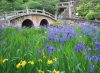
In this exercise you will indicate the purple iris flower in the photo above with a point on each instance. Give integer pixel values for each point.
(84, 24)
(98, 57)
(93, 58)
(91, 69)
(89, 49)
(89, 31)
(97, 44)
(96, 49)
(61, 34)
(96, 35)
(87, 57)
(79, 47)
(94, 28)
(62, 39)
(50, 48)
(41, 51)
(47, 46)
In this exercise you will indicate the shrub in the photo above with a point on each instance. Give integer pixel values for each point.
(90, 16)
(97, 15)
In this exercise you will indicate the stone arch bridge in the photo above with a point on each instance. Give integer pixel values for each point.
(29, 18)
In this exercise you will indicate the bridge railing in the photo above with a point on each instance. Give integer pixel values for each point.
(14, 14)
(65, 4)
(41, 12)
(28, 11)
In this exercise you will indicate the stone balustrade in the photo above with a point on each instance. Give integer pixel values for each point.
(65, 4)
(10, 15)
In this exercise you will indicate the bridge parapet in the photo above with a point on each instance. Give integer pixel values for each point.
(65, 4)
(14, 14)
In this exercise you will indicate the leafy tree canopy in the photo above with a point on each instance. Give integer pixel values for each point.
(87, 6)
(9, 5)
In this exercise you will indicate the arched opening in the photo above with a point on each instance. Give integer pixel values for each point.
(27, 23)
(44, 22)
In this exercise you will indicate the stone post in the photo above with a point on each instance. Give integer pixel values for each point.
(70, 11)
(56, 16)
(43, 11)
(36, 11)
(8, 21)
(27, 11)
(5, 16)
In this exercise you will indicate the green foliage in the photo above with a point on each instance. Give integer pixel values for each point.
(97, 15)
(83, 9)
(23, 45)
(98, 7)
(23, 4)
(88, 5)
(5, 6)
(18, 5)
(90, 16)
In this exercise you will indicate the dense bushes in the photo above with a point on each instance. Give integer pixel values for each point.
(97, 15)
(86, 6)
(49, 5)
(90, 16)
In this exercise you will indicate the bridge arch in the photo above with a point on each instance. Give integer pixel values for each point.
(44, 22)
(27, 23)
(30, 17)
